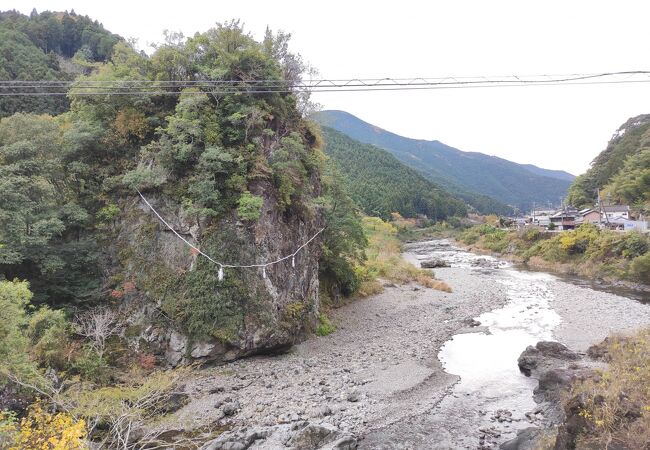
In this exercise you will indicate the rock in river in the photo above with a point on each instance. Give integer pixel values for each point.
(433, 264)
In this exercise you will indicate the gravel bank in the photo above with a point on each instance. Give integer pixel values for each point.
(380, 366)
(589, 316)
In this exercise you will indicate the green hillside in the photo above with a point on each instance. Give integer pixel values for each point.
(621, 171)
(51, 46)
(380, 184)
(471, 175)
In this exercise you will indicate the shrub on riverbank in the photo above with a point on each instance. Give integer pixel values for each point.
(613, 408)
(384, 261)
(585, 250)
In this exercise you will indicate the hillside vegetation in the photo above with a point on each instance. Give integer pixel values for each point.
(98, 296)
(95, 292)
(469, 175)
(381, 185)
(585, 251)
(48, 46)
(621, 171)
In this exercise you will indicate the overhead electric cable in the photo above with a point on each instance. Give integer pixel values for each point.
(223, 87)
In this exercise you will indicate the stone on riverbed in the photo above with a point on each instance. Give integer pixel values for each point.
(433, 263)
(527, 439)
(543, 356)
(296, 436)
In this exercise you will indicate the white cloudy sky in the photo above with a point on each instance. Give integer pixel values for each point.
(557, 127)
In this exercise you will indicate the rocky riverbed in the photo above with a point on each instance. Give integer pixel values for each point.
(378, 380)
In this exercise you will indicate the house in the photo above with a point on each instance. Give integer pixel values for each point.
(589, 215)
(541, 217)
(565, 219)
(616, 211)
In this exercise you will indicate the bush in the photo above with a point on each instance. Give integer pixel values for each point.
(144, 178)
(324, 327)
(42, 430)
(91, 366)
(48, 332)
(640, 268)
(615, 405)
(632, 245)
(532, 235)
(250, 206)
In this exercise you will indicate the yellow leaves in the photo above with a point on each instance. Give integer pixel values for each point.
(41, 430)
(130, 125)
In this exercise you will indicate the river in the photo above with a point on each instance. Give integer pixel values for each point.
(489, 402)
(411, 368)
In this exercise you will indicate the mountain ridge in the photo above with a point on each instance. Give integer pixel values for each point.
(381, 184)
(460, 172)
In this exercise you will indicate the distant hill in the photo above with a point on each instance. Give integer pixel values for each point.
(380, 184)
(559, 174)
(471, 175)
(621, 171)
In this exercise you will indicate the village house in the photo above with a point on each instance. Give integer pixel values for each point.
(565, 219)
(589, 215)
(616, 212)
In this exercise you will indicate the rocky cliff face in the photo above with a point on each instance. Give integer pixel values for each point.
(178, 308)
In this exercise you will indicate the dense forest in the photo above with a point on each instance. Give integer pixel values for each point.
(381, 185)
(621, 171)
(48, 46)
(487, 183)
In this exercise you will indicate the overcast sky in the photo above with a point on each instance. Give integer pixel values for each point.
(561, 127)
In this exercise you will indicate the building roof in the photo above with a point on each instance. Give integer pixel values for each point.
(565, 214)
(616, 208)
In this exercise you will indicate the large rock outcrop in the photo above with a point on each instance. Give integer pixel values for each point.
(180, 311)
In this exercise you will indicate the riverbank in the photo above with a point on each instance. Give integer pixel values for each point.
(608, 258)
(570, 272)
(379, 380)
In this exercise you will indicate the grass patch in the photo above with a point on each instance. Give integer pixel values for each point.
(384, 261)
(325, 326)
(616, 402)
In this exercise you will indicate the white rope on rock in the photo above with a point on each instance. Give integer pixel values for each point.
(220, 273)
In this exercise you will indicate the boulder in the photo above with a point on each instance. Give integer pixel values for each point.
(543, 356)
(433, 264)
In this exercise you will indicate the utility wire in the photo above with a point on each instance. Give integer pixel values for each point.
(222, 87)
(286, 91)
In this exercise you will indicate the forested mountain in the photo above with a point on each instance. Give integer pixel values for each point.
(380, 184)
(465, 173)
(559, 174)
(621, 171)
(50, 46)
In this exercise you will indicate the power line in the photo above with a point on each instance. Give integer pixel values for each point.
(223, 87)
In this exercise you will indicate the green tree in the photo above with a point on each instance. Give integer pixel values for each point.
(15, 296)
(343, 239)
